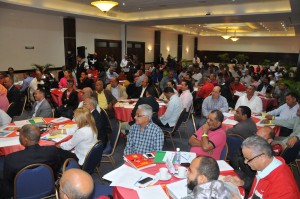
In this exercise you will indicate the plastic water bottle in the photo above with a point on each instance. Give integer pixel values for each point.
(177, 159)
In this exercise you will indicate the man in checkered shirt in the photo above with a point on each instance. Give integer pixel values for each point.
(144, 136)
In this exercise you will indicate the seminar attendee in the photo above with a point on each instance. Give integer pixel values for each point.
(85, 81)
(203, 175)
(32, 154)
(4, 101)
(210, 138)
(100, 119)
(13, 95)
(214, 102)
(237, 86)
(75, 184)
(186, 96)
(174, 108)
(170, 84)
(250, 100)
(274, 178)
(144, 136)
(165, 79)
(206, 89)
(84, 137)
(116, 89)
(87, 92)
(104, 97)
(26, 81)
(110, 73)
(246, 126)
(67, 76)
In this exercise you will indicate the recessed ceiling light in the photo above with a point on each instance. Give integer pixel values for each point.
(123, 3)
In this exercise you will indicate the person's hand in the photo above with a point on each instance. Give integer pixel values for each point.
(265, 121)
(55, 132)
(205, 127)
(292, 141)
(269, 117)
(234, 195)
(210, 152)
(234, 180)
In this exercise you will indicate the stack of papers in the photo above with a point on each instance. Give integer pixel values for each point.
(54, 138)
(9, 141)
(185, 157)
(128, 177)
(178, 190)
(152, 192)
(224, 166)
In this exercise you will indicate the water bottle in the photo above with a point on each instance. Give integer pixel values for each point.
(177, 158)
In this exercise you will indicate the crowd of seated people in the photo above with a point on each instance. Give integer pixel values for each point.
(209, 89)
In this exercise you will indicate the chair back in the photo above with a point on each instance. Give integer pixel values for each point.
(93, 158)
(234, 143)
(10, 109)
(110, 148)
(224, 152)
(70, 163)
(109, 127)
(34, 181)
(188, 115)
(24, 104)
(291, 154)
(180, 119)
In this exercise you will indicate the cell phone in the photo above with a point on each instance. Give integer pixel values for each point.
(145, 180)
(186, 164)
(149, 155)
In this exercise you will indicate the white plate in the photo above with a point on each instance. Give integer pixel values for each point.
(176, 175)
(158, 177)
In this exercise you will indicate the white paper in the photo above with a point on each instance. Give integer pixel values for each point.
(152, 192)
(4, 142)
(224, 166)
(129, 106)
(178, 189)
(187, 157)
(227, 115)
(21, 123)
(229, 121)
(58, 139)
(169, 155)
(237, 93)
(127, 177)
(60, 119)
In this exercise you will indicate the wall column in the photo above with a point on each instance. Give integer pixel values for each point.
(179, 47)
(157, 36)
(70, 42)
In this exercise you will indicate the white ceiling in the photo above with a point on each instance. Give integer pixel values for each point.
(250, 18)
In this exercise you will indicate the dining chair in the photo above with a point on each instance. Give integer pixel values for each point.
(169, 132)
(109, 127)
(224, 153)
(34, 181)
(234, 143)
(110, 148)
(93, 159)
(102, 190)
(186, 120)
(24, 104)
(70, 163)
(10, 109)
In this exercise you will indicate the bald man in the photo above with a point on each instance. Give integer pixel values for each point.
(243, 170)
(76, 183)
(87, 92)
(214, 102)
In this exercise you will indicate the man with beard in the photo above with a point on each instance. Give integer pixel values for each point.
(203, 180)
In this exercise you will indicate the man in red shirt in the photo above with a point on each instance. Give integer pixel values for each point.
(206, 89)
(237, 86)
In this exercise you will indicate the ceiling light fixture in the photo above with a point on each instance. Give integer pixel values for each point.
(226, 36)
(104, 6)
(234, 38)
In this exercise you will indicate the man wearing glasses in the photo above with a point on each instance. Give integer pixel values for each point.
(144, 136)
(274, 178)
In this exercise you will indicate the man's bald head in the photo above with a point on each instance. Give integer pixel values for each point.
(29, 135)
(267, 133)
(87, 92)
(76, 183)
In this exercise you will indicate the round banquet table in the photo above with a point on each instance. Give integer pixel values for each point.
(124, 193)
(14, 148)
(123, 109)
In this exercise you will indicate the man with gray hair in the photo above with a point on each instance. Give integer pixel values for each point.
(86, 93)
(76, 183)
(274, 178)
(144, 136)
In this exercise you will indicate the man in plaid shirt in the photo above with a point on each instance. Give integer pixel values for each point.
(144, 136)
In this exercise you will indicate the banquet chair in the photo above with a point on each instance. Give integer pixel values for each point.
(169, 132)
(70, 163)
(102, 190)
(291, 154)
(34, 181)
(109, 127)
(234, 143)
(110, 148)
(224, 153)
(93, 159)
(24, 104)
(186, 120)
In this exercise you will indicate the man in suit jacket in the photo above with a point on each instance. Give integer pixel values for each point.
(100, 119)
(32, 154)
(13, 95)
(104, 98)
(117, 90)
(160, 60)
(140, 91)
(265, 87)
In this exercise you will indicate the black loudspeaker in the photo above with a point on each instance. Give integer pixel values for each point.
(81, 51)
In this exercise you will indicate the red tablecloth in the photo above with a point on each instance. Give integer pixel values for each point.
(124, 113)
(14, 148)
(56, 95)
(122, 193)
(268, 102)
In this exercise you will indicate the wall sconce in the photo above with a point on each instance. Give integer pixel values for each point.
(168, 49)
(149, 48)
(187, 50)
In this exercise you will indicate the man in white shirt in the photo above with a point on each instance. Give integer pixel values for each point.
(4, 118)
(117, 90)
(186, 96)
(174, 108)
(34, 83)
(124, 64)
(110, 74)
(250, 100)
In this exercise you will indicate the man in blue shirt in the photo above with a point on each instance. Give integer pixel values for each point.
(26, 81)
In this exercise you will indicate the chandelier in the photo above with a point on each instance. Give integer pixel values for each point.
(226, 36)
(105, 6)
(234, 38)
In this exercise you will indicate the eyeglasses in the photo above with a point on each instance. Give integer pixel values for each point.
(247, 161)
(140, 116)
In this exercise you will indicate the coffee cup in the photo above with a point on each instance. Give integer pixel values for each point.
(163, 173)
(181, 172)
